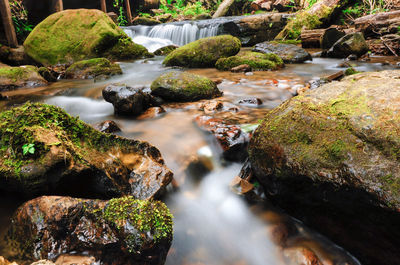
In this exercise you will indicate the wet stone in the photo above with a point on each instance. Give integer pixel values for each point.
(250, 102)
(107, 127)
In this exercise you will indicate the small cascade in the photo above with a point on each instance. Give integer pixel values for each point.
(171, 33)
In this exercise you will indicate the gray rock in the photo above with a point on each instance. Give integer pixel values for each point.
(353, 43)
(289, 53)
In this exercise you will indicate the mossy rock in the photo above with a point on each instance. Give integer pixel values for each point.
(17, 77)
(140, 231)
(183, 86)
(93, 68)
(204, 52)
(78, 34)
(165, 50)
(331, 157)
(256, 60)
(145, 21)
(45, 150)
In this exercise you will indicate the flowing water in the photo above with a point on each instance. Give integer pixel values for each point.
(213, 225)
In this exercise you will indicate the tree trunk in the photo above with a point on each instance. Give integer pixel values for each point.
(8, 24)
(309, 19)
(103, 6)
(57, 6)
(223, 8)
(320, 38)
(378, 24)
(128, 11)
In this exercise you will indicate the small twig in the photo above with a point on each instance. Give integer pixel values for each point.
(390, 48)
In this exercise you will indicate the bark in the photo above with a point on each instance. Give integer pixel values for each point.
(320, 38)
(8, 24)
(378, 24)
(103, 6)
(223, 8)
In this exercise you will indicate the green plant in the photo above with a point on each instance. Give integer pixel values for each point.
(28, 149)
(19, 17)
(121, 17)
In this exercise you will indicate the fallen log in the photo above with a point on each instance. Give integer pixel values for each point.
(376, 25)
(320, 38)
(223, 8)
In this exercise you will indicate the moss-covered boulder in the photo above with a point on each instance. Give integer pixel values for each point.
(166, 50)
(349, 44)
(289, 53)
(204, 52)
(93, 68)
(44, 150)
(331, 157)
(118, 231)
(17, 77)
(256, 60)
(78, 34)
(183, 86)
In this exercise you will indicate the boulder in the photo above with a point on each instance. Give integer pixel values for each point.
(256, 60)
(179, 86)
(47, 74)
(204, 52)
(126, 100)
(119, 231)
(78, 34)
(93, 68)
(44, 150)
(353, 43)
(107, 127)
(145, 21)
(330, 157)
(165, 50)
(289, 53)
(17, 77)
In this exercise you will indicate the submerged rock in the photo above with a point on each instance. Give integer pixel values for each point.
(128, 100)
(118, 231)
(353, 43)
(204, 52)
(44, 150)
(289, 53)
(182, 86)
(256, 60)
(330, 157)
(77, 34)
(93, 68)
(17, 77)
(232, 140)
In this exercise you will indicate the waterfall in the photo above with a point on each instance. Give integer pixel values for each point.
(154, 37)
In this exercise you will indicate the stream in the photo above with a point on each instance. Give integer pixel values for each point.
(212, 224)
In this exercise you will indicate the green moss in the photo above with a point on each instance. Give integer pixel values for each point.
(144, 216)
(257, 61)
(16, 73)
(93, 68)
(74, 35)
(125, 49)
(204, 52)
(351, 71)
(389, 182)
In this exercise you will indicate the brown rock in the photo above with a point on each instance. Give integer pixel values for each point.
(107, 126)
(241, 68)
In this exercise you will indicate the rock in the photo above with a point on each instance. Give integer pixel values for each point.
(78, 34)
(165, 50)
(107, 127)
(164, 17)
(15, 56)
(212, 106)
(331, 154)
(241, 68)
(151, 113)
(352, 57)
(203, 52)
(145, 21)
(97, 68)
(44, 150)
(250, 102)
(183, 86)
(119, 231)
(22, 76)
(256, 60)
(47, 74)
(202, 16)
(232, 140)
(128, 100)
(353, 43)
(301, 255)
(289, 53)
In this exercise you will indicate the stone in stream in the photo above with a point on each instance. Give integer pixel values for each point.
(23, 76)
(349, 44)
(256, 60)
(47, 74)
(166, 50)
(119, 231)
(204, 52)
(330, 157)
(43, 150)
(177, 86)
(289, 53)
(130, 101)
(77, 34)
(107, 127)
(97, 68)
(232, 140)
